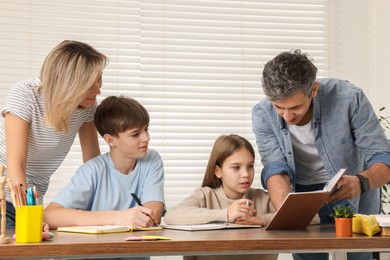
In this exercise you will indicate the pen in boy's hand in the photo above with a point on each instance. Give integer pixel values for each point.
(135, 197)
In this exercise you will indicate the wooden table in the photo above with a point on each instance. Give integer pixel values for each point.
(238, 241)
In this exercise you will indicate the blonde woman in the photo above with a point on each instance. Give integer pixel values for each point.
(41, 117)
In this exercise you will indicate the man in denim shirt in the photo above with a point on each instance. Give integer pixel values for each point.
(307, 129)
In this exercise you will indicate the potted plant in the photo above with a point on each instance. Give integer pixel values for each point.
(343, 215)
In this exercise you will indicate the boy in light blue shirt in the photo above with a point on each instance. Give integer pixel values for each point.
(100, 191)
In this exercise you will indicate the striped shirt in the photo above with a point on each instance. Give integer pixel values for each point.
(47, 147)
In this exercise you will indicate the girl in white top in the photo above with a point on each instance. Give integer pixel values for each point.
(41, 117)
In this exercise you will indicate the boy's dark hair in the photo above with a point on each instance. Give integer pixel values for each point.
(115, 115)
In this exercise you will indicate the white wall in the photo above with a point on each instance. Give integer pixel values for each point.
(362, 49)
(352, 42)
(363, 44)
(380, 53)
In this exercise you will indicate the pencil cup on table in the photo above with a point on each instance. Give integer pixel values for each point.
(29, 221)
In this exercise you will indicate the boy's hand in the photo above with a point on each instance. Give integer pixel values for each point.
(138, 216)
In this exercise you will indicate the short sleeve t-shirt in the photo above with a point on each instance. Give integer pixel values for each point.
(47, 147)
(98, 185)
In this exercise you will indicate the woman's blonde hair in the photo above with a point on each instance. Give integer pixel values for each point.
(223, 147)
(67, 73)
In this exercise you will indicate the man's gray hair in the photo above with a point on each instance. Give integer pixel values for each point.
(288, 73)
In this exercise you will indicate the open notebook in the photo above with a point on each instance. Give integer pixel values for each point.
(209, 226)
(103, 229)
(299, 208)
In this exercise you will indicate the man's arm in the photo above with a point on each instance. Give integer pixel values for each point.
(378, 175)
(349, 186)
(371, 141)
(278, 188)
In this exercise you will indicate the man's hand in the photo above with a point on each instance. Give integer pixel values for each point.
(348, 187)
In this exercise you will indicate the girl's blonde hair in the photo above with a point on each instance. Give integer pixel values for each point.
(223, 147)
(67, 73)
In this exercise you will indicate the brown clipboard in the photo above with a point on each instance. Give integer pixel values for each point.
(299, 208)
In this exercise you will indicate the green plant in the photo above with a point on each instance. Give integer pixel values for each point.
(385, 122)
(343, 211)
(386, 199)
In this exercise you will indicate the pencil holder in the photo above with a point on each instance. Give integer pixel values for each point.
(29, 221)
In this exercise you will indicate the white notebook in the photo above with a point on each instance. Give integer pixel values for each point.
(209, 226)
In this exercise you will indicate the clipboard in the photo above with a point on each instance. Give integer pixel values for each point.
(299, 208)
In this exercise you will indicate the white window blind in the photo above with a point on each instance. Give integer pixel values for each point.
(195, 65)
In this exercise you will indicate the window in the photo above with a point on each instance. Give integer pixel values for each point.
(195, 65)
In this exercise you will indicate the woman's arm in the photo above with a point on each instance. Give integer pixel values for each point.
(16, 135)
(89, 141)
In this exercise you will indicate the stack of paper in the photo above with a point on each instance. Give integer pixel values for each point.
(384, 223)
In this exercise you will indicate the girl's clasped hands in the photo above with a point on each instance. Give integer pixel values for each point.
(241, 210)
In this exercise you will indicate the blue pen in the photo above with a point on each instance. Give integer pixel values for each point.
(30, 197)
(36, 195)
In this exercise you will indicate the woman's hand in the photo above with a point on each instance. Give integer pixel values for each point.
(46, 234)
(45, 227)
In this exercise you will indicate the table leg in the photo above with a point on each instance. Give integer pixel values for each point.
(339, 255)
